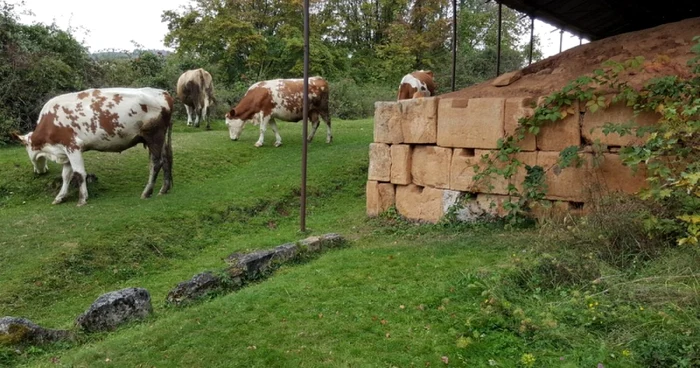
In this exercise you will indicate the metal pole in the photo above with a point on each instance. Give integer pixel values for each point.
(454, 43)
(498, 47)
(580, 41)
(561, 39)
(532, 37)
(304, 127)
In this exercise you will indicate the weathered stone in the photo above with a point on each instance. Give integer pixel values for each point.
(200, 285)
(464, 207)
(479, 124)
(419, 120)
(379, 162)
(526, 159)
(401, 164)
(286, 252)
(254, 264)
(116, 308)
(15, 330)
(507, 79)
(617, 113)
(419, 203)
(610, 175)
(462, 169)
(557, 135)
(322, 242)
(567, 184)
(387, 122)
(493, 204)
(380, 197)
(515, 109)
(430, 166)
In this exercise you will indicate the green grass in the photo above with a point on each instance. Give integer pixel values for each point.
(400, 295)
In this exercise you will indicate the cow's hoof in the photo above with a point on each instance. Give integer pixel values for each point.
(329, 141)
(258, 144)
(57, 201)
(81, 203)
(277, 144)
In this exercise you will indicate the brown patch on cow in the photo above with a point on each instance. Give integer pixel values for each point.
(406, 91)
(144, 108)
(48, 132)
(109, 121)
(117, 98)
(169, 100)
(292, 93)
(110, 105)
(96, 93)
(83, 95)
(79, 107)
(255, 100)
(70, 114)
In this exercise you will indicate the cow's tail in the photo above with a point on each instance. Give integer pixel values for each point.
(167, 153)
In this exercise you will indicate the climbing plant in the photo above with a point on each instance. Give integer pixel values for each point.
(670, 151)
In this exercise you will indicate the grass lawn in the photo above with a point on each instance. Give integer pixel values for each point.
(399, 295)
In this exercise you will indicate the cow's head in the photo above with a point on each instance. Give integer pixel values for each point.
(37, 157)
(235, 125)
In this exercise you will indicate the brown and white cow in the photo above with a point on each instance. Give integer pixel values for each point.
(417, 84)
(107, 120)
(195, 90)
(280, 99)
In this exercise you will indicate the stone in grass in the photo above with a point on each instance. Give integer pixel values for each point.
(116, 308)
(198, 286)
(15, 330)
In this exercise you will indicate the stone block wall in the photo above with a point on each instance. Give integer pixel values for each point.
(425, 150)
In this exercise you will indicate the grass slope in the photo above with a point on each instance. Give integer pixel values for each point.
(400, 295)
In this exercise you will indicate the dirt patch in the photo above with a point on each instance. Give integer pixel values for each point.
(665, 48)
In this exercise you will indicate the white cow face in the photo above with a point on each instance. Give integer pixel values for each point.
(37, 158)
(235, 125)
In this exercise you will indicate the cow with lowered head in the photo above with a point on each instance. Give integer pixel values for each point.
(280, 99)
(195, 90)
(417, 84)
(107, 120)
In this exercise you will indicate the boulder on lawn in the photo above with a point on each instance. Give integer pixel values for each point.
(116, 308)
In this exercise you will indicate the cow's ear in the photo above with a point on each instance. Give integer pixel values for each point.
(429, 72)
(231, 114)
(20, 138)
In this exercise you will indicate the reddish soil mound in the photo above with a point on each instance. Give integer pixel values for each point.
(665, 48)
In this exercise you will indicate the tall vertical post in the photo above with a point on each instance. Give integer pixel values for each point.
(561, 39)
(454, 44)
(304, 127)
(498, 46)
(532, 38)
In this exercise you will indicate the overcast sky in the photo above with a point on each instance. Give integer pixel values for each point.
(116, 24)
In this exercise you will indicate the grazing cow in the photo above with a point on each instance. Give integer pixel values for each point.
(196, 90)
(417, 84)
(107, 120)
(281, 99)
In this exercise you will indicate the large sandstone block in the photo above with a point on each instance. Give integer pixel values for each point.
(567, 184)
(462, 169)
(379, 162)
(380, 197)
(419, 120)
(610, 175)
(617, 113)
(557, 135)
(476, 123)
(420, 203)
(493, 205)
(430, 166)
(401, 155)
(515, 109)
(387, 122)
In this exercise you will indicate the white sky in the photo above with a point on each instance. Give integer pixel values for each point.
(114, 25)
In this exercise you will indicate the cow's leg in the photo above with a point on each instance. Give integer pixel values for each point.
(67, 176)
(204, 114)
(263, 127)
(155, 149)
(189, 115)
(327, 118)
(278, 137)
(315, 121)
(76, 162)
(197, 112)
